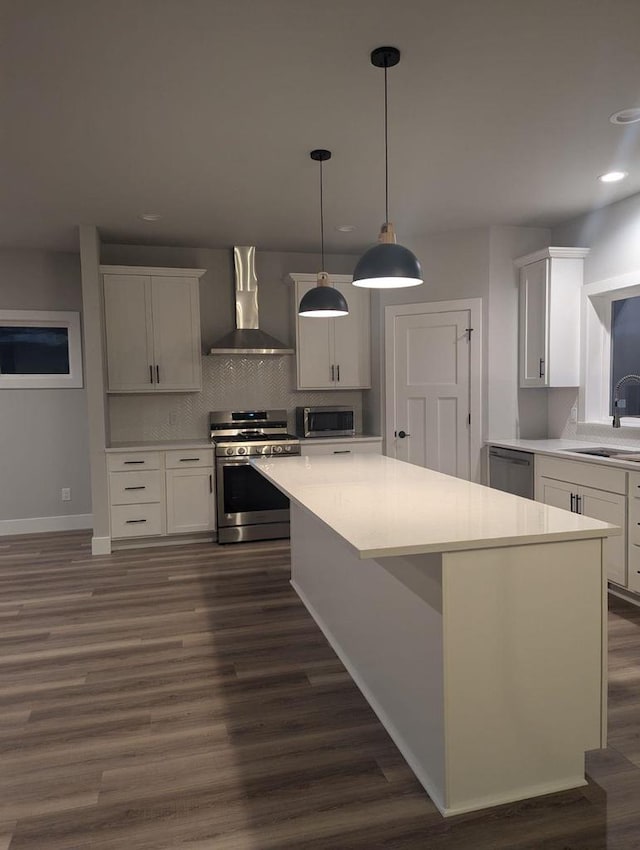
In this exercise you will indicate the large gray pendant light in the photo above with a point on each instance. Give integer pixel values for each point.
(387, 265)
(322, 302)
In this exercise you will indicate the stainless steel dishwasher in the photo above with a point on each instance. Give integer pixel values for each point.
(511, 470)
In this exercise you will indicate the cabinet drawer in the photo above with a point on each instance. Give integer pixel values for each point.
(609, 478)
(310, 449)
(188, 458)
(634, 567)
(136, 520)
(135, 488)
(129, 461)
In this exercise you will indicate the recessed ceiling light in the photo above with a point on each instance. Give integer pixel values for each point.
(150, 217)
(626, 116)
(346, 228)
(612, 176)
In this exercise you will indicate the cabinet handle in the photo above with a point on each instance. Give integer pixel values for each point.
(573, 509)
(131, 521)
(211, 483)
(150, 374)
(140, 487)
(578, 504)
(343, 452)
(157, 373)
(134, 461)
(541, 370)
(187, 459)
(332, 372)
(338, 370)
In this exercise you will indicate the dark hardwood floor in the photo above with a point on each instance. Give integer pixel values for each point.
(183, 698)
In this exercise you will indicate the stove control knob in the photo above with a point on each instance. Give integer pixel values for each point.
(277, 449)
(229, 451)
(242, 450)
(287, 448)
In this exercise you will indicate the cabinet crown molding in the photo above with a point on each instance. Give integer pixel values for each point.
(311, 279)
(153, 271)
(552, 252)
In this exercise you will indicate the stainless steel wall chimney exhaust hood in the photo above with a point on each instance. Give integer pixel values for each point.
(247, 337)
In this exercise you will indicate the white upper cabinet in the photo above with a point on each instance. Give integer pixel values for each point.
(334, 354)
(550, 283)
(152, 328)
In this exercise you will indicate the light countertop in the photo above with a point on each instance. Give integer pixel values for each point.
(160, 446)
(384, 507)
(358, 438)
(563, 448)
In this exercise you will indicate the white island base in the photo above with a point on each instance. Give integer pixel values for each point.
(485, 666)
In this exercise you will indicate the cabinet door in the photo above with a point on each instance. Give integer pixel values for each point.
(176, 333)
(608, 507)
(314, 344)
(127, 306)
(351, 336)
(556, 493)
(190, 500)
(533, 324)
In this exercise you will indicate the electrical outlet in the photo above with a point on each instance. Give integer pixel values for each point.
(173, 418)
(65, 494)
(573, 415)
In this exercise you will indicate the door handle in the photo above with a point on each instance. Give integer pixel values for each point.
(189, 459)
(157, 373)
(332, 372)
(211, 483)
(541, 369)
(402, 434)
(578, 504)
(141, 487)
(338, 370)
(150, 374)
(573, 510)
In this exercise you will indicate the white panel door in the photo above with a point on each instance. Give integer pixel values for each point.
(351, 345)
(558, 494)
(533, 324)
(176, 321)
(432, 390)
(608, 507)
(127, 305)
(314, 349)
(190, 500)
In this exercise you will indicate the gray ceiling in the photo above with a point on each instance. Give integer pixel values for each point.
(205, 111)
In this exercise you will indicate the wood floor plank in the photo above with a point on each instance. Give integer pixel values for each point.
(183, 698)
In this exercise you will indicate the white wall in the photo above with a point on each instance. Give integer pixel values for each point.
(43, 433)
(511, 412)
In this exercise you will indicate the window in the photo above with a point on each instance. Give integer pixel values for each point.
(625, 351)
(39, 349)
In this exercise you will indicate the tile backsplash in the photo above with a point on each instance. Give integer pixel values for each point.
(228, 383)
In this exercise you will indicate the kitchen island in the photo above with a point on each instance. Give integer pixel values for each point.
(473, 621)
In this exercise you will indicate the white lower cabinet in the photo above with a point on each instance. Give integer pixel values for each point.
(153, 494)
(347, 447)
(634, 533)
(190, 503)
(579, 488)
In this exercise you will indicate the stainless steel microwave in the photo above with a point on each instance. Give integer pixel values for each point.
(338, 421)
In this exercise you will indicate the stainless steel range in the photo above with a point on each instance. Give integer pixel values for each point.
(248, 506)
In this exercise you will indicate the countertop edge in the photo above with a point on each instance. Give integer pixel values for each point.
(526, 446)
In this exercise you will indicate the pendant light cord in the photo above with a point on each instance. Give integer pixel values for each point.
(386, 150)
(321, 220)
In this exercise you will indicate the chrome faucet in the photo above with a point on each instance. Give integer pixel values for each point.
(618, 403)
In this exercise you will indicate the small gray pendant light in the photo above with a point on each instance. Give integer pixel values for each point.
(387, 265)
(322, 302)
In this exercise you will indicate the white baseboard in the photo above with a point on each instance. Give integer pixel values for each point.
(100, 545)
(35, 525)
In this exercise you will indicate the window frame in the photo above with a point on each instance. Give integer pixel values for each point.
(596, 356)
(70, 320)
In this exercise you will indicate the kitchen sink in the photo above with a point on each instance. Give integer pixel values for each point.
(603, 451)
